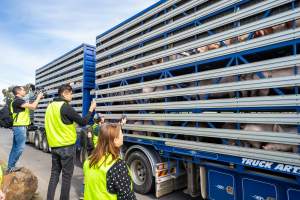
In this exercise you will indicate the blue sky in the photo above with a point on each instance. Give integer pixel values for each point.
(34, 32)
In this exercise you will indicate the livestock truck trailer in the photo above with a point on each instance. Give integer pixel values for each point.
(76, 67)
(211, 94)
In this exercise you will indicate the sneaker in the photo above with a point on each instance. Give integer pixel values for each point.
(14, 169)
(81, 197)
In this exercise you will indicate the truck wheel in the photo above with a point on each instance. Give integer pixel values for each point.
(27, 137)
(141, 172)
(36, 140)
(45, 146)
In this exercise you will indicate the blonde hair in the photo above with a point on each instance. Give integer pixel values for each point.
(105, 145)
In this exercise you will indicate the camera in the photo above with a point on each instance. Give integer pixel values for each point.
(37, 90)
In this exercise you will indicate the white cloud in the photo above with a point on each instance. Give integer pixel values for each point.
(34, 32)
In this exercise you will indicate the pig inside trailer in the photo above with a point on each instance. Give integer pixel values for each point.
(210, 90)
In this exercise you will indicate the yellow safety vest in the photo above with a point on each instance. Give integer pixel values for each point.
(95, 180)
(1, 176)
(21, 118)
(58, 133)
(95, 136)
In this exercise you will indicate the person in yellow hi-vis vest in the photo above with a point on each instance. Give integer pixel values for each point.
(2, 195)
(98, 121)
(106, 175)
(60, 125)
(21, 120)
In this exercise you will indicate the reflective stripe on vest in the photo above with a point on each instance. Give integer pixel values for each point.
(58, 133)
(20, 118)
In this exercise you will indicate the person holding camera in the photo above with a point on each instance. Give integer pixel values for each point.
(20, 110)
(98, 121)
(60, 125)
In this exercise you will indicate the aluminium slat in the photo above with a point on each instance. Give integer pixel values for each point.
(77, 72)
(45, 100)
(169, 15)
(251, 102)
(43, 110)
(39, 124)
(75, 86)
(65, 58)
(139, 19)
(261, 118)
(39, 119)
(266, 65)
(188, 33)
(62, 67)
(269, 4)
(39, 114)
(76, 102)
(257, 25)
(59, 72)
(189, 18)
(261, 136)
(255, 43)
(77, 95)
(45, 104)
(188, 46)
(40, 110)
(41, 106)
(65, 82)
(287, 81)
(274, 156)
(78, 109)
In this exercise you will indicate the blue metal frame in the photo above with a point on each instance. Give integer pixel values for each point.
(89, 77)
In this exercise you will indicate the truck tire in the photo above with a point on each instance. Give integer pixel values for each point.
(27, 137)
(141, 172)
(45, 146)
(36, 140)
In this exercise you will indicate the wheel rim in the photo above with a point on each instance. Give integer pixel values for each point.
(45, 145)
(36, 142)
(138, 172)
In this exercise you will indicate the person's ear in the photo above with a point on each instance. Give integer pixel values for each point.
(116, 142)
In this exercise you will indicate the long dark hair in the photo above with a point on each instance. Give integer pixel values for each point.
(105, 144)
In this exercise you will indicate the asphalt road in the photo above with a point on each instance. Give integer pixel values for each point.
(40, 163)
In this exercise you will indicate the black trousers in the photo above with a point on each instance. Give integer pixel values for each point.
(62, 161)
